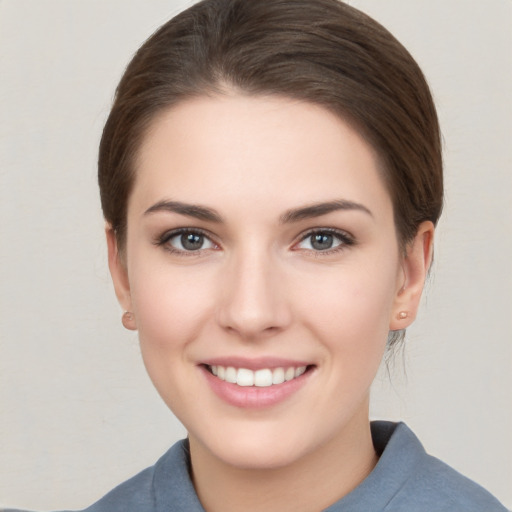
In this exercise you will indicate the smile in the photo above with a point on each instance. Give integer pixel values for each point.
(261, 378)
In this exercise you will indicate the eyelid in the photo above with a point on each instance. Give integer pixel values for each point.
(346, 239)
(163, 239)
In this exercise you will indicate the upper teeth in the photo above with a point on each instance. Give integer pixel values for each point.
(259, 378)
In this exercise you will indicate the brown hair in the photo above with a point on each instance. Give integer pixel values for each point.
(320, 51)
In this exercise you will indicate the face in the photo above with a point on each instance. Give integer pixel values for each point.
(263, 272)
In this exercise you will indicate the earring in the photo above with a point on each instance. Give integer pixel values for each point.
(402, 315)
(128, 321)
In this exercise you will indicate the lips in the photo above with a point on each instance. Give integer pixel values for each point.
(256, 383)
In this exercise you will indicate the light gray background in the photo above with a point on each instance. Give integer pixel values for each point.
(78, 413)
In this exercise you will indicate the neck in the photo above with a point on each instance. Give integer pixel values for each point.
(313, 482)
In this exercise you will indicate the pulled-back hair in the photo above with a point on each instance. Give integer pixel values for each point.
(319, 51)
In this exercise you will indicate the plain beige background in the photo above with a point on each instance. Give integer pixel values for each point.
(78, 413)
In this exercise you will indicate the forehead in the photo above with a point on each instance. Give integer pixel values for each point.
(258, 150)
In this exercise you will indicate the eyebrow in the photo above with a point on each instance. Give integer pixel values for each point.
(319, 209)
(290, 216)
(190, 210)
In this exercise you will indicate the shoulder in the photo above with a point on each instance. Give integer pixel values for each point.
(157, 488)
(407, 479)
(135, 492)
(153, 490)
(437, 482)
(430, 484)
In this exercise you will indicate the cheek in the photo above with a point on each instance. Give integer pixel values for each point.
(350, 313)
(170, 305)
(352, 300)
(170, 310)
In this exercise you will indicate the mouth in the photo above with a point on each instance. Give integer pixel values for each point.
(256, 383)
(260, 378)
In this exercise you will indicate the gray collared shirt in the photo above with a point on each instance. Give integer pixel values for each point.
(406, 479)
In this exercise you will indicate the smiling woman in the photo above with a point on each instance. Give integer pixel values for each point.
(239, 280)
(271, 178)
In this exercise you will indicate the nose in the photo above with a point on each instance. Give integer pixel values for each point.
(254, 301)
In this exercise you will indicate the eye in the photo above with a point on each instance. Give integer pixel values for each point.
(324, 240)
(186, 241)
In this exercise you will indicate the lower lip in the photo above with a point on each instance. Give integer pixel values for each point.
(253, 397)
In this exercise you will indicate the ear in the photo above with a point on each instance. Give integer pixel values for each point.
(119, 274)
(415, 265)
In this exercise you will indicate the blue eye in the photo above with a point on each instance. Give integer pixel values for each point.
(324, 240)
(187, 241)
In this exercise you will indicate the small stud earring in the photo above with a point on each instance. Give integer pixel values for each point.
(128, 321)
(402, 315)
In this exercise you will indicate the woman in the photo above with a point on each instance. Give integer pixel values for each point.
(271, 177)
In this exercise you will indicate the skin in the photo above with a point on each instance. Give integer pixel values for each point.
(258, 288)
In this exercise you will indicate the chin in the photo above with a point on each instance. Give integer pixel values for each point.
(248, 455)
(255, 446)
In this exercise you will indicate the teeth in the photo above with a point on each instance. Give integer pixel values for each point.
(289, 374)
(231, 375)
(278, 376)
(259, 378)
(263, 378)
(245, 377)
(299, 371)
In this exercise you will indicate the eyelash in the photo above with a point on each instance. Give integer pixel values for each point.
(345, 240)
(163, 240)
